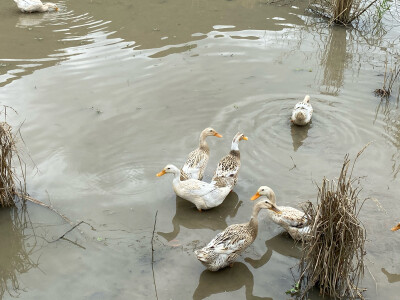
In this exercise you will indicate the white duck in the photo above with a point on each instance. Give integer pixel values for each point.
(202, 194)
(197, 160)
(291, 219)
(30, 6)
(224, 249)
(228, 167)
(302, 112)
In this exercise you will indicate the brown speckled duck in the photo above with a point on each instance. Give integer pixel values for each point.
(291, 219)
(224, 249)
(228, 167)
(197, 160)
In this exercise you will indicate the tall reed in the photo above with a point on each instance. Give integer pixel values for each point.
(333, 259)
(12, 168)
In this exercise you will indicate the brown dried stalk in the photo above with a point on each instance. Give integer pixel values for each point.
(12, 168)
(333, 259)
(389, 79)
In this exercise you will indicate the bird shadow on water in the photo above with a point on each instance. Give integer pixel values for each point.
(282, 244)
(392, 278)
(15, 257)
(226, 280)
(215, 219)
(299, 134)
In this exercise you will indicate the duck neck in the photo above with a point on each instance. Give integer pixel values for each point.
(177, 176)
(203, 143)
(235, 148)
(253, 224)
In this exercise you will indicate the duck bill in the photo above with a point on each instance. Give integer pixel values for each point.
(397, 227)
(245, 138)
(255, 196)
(275, 209)
(218, 135)
(161, 173)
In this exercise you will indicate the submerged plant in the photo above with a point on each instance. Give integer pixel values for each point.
(390, 77)
(333, 259)
(15, 256)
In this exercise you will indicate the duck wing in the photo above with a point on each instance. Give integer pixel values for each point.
(197, 187)
(233, 239)
(195, 164)
(228, 167)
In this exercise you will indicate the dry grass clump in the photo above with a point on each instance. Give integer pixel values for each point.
(10, 164)
(341, 11)
(333, 258)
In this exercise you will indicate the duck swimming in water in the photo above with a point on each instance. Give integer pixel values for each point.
(202, 194)
(302, 112)
(30, 6)
(197, 160)
(224, 249)
(291, 219)
(228, 167)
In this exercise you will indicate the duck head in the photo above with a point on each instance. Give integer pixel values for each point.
(169, 169)
(210, 132)
(265, 191)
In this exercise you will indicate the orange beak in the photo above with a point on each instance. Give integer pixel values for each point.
(255, 196)
(217, 135)
(274, 209)
(56, 9)
(161, 173)
(397, 227)
(245, 138)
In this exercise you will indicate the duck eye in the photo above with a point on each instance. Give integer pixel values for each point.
(168, 168)
(210, 130)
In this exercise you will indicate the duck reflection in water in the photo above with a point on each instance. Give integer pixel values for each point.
(282, 244)
(299, 134)
(391, 277)
(14, 258)
(226, 280)
(215, 219)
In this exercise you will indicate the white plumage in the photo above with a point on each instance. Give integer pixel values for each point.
(302, 112)
(197, 160)
(202, 194)
(291, 219)
(30, 6)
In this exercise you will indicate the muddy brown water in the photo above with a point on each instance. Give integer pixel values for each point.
(109, 94)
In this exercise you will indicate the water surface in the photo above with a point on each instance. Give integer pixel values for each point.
(109, 94)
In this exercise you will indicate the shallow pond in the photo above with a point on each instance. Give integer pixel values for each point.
(109, 94)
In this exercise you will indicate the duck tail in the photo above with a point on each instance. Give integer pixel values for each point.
(306, 99)
(200, 255)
